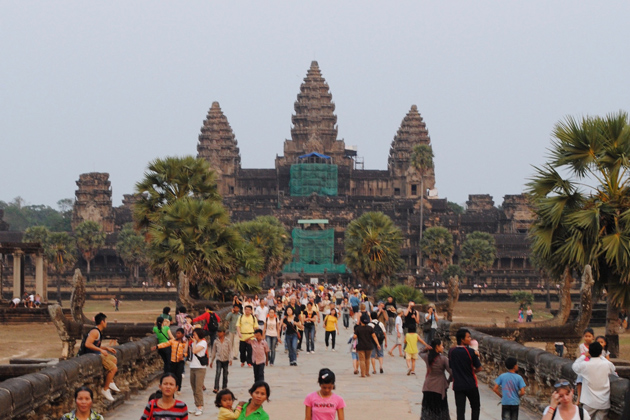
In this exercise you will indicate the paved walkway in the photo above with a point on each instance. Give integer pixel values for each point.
(392, 395)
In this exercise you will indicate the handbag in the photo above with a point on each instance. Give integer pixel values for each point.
(426, 327)
(204, 360)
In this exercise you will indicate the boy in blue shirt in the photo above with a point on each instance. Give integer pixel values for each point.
(512, 389)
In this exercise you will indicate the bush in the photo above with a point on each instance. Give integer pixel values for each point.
(523, 298)
(402, 294)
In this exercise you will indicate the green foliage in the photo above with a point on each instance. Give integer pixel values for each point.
(523, 298)
(269, 237)
(437, 247)
(456, 208)
(478, 252)
(402, 293)
(452, 271)
(61, 252)
(132, 249)
(36, 234)
(90, 239)
(422, 159)
(581, 199)
(20, 216)
(372, 247)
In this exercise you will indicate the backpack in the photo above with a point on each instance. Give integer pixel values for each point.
(380, 335)
(580, 411)
(212, 325)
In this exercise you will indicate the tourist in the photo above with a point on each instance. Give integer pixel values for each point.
(464, 364)
(366, 339)
(431, 320)
(353, 352)
(83, 398)
(562, 402)
(595, 396)
(38, 300)
(116, 304)
(237, 301)
(411, 350)
(354, 302)
(166, 407)
(179, 354)
(188, 327)
(339, 296)
(271, 332)
(211, 323)
(92, 343)
(381, 314)
(221, 351)
(253, 409)
(256, 302)
(587, 337)
(434, 402)
(163, 334)
(345, 313)
(324, 404)
(512, 388)
(260, 348)
(180, 317)
(325, 306)
(412, 318)
(559, 347)
(530, 314)
(261, 312)
(245, 328)
(225, 401)
(166, 313)
(331, 327)
(198, 365)
(520, 314)
(232, 333)
(290, 325)
(604, 343)
(398, 330)
(377, 353)
(392, 312)
(310, 318)
(15, 302)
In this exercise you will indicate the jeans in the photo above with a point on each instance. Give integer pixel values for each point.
(221, 366)
(332, 334)
(560, 349)
(272, 342)
(475, 403)
(259, 372)
(291, 340)
(429, 336)
(246, 352)
(309, 331)
(299, 342)
(210, 337)
(346, 320)
(509, 412)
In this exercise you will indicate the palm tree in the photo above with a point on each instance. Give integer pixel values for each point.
(372, 247)
(437, 248)
(478, 252)
(581, 199)
(132, 249)
(60, 251)
(422, 162)
(90, 239)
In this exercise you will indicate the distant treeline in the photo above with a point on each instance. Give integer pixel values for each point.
(20, 216)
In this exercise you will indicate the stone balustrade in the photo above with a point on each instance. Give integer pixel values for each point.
(539, 369)
(49, 393)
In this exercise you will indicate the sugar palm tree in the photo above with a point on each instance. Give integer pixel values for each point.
(437, 248)
(581, 199)
(422, 162)
(372, 247)
(132, 249)
(61, 253)
(90, 239)
(478, 252)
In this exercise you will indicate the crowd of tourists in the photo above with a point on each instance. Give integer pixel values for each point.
(256, 330)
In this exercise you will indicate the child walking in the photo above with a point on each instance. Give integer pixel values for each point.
(221, 350)
(588, 337)
(224, 401)
(512, 388)
(260, 348)
(324, 404)
(179, 354)
(411, 351)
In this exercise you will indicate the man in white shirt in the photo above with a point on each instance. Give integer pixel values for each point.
(595, 397)
(261, 312)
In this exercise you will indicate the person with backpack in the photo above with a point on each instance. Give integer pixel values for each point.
(92, 343)
(198, 365)
(211, 324)
(377, 352)
(561, 405)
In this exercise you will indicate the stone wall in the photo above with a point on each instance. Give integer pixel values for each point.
(49, 393)
(539, 369)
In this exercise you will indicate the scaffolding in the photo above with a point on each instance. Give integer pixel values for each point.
(313, 252)
(308, 178)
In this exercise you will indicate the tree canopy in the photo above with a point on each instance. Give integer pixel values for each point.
(90, 239)
(20, 216)
(478, 252)
(437, 248)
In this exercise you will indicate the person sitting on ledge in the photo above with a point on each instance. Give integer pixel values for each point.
(83, 399)
(92, 343)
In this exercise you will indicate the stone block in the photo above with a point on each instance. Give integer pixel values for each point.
(58, 381)
(6, 404)
(532, 358)
(21, 395)
(40, 385)
(90, 364)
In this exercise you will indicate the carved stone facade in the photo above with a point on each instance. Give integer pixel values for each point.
(94, 201)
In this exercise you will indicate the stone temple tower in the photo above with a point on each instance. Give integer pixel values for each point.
(94, 201)
(218, 145)
(405, 180)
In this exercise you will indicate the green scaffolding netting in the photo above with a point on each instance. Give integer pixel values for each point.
(313, 251)
(308, 178)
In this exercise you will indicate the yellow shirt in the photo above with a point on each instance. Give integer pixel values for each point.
(331, 323)
(412, 343)
(227, 414)
(247, 323)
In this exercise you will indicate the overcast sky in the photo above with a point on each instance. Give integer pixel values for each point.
(108, 86)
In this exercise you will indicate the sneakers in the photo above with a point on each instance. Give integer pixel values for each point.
(113, 387)
(107, 394)
(198, 412)
(334, 350)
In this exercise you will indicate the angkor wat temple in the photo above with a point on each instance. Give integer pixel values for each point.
(319, 185)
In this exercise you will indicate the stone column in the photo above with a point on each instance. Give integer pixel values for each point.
(17, 274)
(40, 281)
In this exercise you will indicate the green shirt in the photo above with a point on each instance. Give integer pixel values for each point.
(93, 416)
(162, 336)
(256, 415)
(232, 320)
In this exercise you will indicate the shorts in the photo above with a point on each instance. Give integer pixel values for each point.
(355, 355)
(409, 356)
(376, 352)
(400, 340)
(109, 362)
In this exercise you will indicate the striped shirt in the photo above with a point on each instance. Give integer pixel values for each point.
(154, 412)
(178, 350)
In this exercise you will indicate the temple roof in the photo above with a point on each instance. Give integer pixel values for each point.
(412, 131)
(217, 142)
